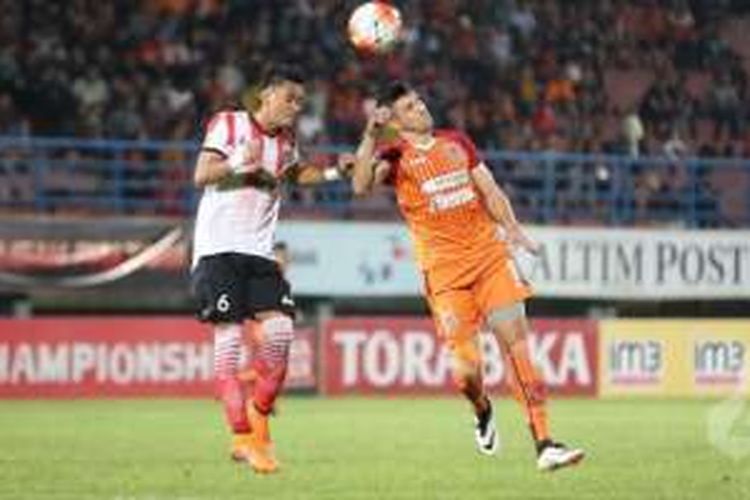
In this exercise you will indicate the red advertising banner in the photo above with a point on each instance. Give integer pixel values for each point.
(392, 356)
(302, 372)
(120, 357)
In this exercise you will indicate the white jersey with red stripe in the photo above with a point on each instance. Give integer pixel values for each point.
(242, 219)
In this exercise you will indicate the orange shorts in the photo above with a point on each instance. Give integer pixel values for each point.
(461, 297)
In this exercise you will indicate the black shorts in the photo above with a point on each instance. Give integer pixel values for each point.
(231, 287)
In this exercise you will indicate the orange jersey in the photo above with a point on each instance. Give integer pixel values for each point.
(447, 219)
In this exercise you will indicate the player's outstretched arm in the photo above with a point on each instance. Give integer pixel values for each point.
(306, 174)
(500, 208)
(495, 199)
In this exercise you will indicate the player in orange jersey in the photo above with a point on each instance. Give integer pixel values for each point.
(452, 208)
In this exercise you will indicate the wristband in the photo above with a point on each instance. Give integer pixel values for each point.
(331, 174)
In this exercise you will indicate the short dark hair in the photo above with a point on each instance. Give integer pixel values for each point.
(393, 92)
(283, 73)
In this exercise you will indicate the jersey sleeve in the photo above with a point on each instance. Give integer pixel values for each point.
(468, 146)
(290, 154)
(390, 152)
(220, 133)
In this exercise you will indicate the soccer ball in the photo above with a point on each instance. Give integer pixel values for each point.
(375, 27)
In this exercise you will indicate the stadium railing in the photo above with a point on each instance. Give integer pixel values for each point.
(61, 175)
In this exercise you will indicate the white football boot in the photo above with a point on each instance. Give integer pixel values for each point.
(553, 456)
(485, 432)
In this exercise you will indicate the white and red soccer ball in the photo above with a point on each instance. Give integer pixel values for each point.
(375, 27)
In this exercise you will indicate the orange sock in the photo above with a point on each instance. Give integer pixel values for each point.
(473, 390)
(528, 388)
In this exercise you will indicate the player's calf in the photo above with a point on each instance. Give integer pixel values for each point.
(232, 394)
(270, 364)
(227, 339)
(467, 377)
(269, 368)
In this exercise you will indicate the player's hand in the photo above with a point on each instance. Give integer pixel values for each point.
(247, 157)
(254, 154)
(345, 164)
(377, 119)
(517, 238)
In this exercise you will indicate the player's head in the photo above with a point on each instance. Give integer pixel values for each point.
(282, 96)
(408, 109)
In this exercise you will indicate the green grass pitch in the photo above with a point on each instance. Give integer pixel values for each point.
(359, 449)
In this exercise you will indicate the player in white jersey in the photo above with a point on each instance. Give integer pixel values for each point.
(244, 158)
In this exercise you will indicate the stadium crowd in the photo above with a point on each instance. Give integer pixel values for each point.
(516, 74)
(639, 77)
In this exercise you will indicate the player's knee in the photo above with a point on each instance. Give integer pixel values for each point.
(465, 353)
(277, 328)
(464, 371)
(462, 381)
(508, 323)
(227, 349)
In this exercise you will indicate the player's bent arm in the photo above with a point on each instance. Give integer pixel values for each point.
(382, 172)
(368, 172)
(495, 199)
(364, 162)
(309, 174)
(379, 173)
(210, 168)
(500, 209)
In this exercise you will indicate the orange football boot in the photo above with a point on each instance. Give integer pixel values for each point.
(261, 456)
(240, 448)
